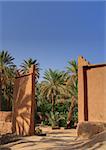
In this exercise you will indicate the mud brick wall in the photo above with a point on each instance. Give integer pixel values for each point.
(5, 122)
(6, 116)
(24, 104)
(91, 91)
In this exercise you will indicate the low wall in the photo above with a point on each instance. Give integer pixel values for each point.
(6, 116)
(5, 122)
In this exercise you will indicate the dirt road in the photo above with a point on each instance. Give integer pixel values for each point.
(56, 140)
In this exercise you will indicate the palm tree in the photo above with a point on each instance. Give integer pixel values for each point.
(53, 85)
(72, 86)
(74, 97)
(7, 71)
(27, 64)
(72, 68)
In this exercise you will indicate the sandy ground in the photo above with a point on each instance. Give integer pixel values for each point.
(58, 140)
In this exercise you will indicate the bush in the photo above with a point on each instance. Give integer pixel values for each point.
(4, 104)
(54, 118)
(63, 122)
(44, 108)
(62, 107)
(75, 114)
(38, 130)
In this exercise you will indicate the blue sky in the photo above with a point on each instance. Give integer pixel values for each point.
(53, 32)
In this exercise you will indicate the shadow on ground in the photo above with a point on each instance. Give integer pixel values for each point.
(51, 142)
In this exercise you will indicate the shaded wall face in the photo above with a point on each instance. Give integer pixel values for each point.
(23, 113)
(96, 93)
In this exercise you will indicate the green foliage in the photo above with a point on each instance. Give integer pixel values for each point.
(75, 114)
(60, 110)
(62, 107)
(7, 67)
(44, 107)
(73, 67)
(7, 74)
(53, 85)
(56, 86)
(63, 122)
(38, 130)
(27, 64)
(72, 85)
(54, 118)
(3, 104)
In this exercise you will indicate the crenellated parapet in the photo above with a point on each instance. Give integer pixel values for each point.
(82, 61)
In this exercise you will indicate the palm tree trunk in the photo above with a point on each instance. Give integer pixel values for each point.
(70, 114)
(8, 104)
(53, 103)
